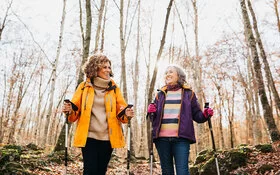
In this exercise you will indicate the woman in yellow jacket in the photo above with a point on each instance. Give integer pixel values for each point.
(99, 130)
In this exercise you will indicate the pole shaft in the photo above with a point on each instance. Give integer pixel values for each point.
(212, 134)
(213, 141)
(128, 146)
(151, 147)
(66, 141)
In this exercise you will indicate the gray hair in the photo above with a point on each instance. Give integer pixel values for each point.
(181, 74)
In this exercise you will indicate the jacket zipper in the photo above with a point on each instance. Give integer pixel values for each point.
(85, 106)
(179, 117)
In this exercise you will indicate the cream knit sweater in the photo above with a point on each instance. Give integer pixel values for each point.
(98, 128)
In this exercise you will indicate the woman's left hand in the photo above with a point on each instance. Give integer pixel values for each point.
(129, 112)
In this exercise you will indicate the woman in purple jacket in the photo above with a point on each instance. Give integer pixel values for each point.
(174, 109)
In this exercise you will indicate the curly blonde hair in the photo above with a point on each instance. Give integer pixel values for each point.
(94, 63)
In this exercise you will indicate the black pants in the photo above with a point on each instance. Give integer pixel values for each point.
(96, 156)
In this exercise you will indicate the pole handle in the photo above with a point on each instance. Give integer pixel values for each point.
(206, 105)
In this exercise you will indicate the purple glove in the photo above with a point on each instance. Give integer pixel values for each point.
(152, 108)
(208, 112)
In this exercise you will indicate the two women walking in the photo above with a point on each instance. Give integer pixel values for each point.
(99, 130)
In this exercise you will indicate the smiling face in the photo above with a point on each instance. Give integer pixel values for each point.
(171, 76)
(104, 71)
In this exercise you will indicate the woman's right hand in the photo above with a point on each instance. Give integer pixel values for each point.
(67, 108)
(152, 108)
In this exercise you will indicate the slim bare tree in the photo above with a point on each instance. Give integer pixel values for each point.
(275, 5)
(54, 76)
(97, 35)
(3, 107)
(135, 77)
(125, 32)
(4, 21)
(162, 42)
(154, 75)
(122, 46)
(103, 29)
(197, 77)
(86, 38)
(267, 110)
(267, 70)
(23, 83)
(184, 32)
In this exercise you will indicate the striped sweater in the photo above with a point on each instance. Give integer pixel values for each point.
(170, 120)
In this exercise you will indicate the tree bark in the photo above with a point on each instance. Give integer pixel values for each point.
(86, 40)
(86, 44)
(103, 29)
(267, 111)
(3, 108)
(54, 76)
(275, 4)
(136, 79)
(197, 74)
(97, 35)
(268, 73)
(122, 45)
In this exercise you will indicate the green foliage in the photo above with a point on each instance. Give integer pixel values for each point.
(33, 147)
(14, 147)
(236, 159)
(203, 156)
(264, 168)
(264, 148)
(205, 163)
(193, 170)
(244, 148)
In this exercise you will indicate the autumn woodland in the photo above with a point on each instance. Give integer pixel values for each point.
(229, 50)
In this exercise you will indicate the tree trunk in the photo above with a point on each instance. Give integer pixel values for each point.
(85, 39)
(231, 116)
(268, 74)
(267, 111)
(197, 74)
(97, 35)
(3, 109)
(148, 66)
(136, 81)
(184, 32)
(103, 29)
(221, 139)
(54, 76)
(275, 4)
(122, 45)
(153, 81)
(86, 45)
(3, 23)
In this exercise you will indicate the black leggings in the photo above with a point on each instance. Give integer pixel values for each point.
(96, 156)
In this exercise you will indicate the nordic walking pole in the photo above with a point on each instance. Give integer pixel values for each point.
(128, 145)
(75, 108)
(213, 142)
(66, 138)
(128, 140)
(152, 146)
(66, 141)
(151, 143)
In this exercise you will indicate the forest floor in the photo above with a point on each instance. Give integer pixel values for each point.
(257, 163)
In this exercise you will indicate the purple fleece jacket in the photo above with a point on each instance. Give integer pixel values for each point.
(190, 110)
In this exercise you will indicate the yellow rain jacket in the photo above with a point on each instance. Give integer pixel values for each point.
(83, 99)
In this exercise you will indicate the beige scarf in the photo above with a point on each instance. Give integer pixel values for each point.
(98, 128)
